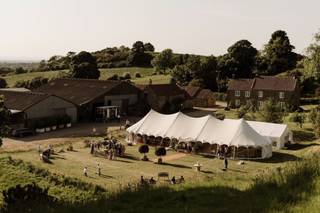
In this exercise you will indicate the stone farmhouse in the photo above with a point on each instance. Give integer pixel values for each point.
(284, 90)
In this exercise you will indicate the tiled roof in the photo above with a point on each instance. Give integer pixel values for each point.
(240, 84)
(21, 100)
(79, 91)
(275, 83)
(166, 89)
(204, 94)
(264, 83)
(192, 91)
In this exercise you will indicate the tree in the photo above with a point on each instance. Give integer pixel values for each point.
(138, 57)
(84, 65)
(240, 60)
(143, 149)
(4, 119)
(197, 71)
(298, 118)
(271, 111)
(278, 55)
(148, 47)
(243, 55)
(3, 83)
(312, 62)
(163, 60)
(314, 117)
(160, 151)
(20, 70)
(138, 47)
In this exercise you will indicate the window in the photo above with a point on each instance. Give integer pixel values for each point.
(260, 94)
(282, 104)
(237, 93)
(281, 95)
(237, 102)
(247, 94)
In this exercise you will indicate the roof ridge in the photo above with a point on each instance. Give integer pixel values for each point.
(25, 92)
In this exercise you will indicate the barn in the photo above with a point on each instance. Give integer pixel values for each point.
(25, 106)
(90, 94)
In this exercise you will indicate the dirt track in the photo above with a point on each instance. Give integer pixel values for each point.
(63, 136)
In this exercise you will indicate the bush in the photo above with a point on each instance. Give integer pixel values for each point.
(160, 151)
(126, 75)
(137, 75)
(3, 83)
(114, 77)
(220, 96)
(143, 149)
(19, 197)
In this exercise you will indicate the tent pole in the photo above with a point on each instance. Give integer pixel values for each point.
(234, 152)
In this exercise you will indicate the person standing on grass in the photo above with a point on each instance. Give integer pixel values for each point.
(85, 171)
(225, 163)
(99, 169)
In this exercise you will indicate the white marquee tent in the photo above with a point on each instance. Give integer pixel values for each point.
(207, 129)
(279, 134)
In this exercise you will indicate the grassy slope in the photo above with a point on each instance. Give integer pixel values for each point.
(205, 192)
(146, 74)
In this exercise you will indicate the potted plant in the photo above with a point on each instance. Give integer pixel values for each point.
(53, 122)
(39, 126)
(60, 122)
(47, 124)
(160, 151)
(68, 121)
(143, 149)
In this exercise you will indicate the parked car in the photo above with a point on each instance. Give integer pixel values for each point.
(22, 132)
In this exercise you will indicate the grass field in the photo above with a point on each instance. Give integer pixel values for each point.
(146, 74)
(284, 183)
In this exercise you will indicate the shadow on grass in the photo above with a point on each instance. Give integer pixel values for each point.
(299, 146)
(301, 135)
(176, 165)
(130, 157)
(124, 161)
(278, 157)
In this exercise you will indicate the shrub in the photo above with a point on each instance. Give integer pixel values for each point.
(160, 151)
(137, 75)
(18, 197)
(114, 77)
(3, 83)
(298, 118)
(143, 149)
(126, 75)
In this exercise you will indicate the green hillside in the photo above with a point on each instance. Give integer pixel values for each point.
(146, 74)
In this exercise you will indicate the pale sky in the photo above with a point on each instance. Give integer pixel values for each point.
(38, 29)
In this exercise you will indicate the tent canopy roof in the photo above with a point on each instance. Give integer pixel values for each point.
(205, 129)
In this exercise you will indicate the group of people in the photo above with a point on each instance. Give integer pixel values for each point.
(110, 147)
(152, 181)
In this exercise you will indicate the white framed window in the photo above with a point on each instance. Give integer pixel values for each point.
(260, 103)
(281, 95)
(237, 93)
(260, 94)
(247, 94)
(282, 104)
(237, 103)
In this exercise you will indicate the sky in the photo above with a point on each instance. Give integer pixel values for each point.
(38, 29)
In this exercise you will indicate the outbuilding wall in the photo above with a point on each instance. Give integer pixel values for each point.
(52, 106)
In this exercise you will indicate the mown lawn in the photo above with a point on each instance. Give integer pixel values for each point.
(146, 74)
(256, 186)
